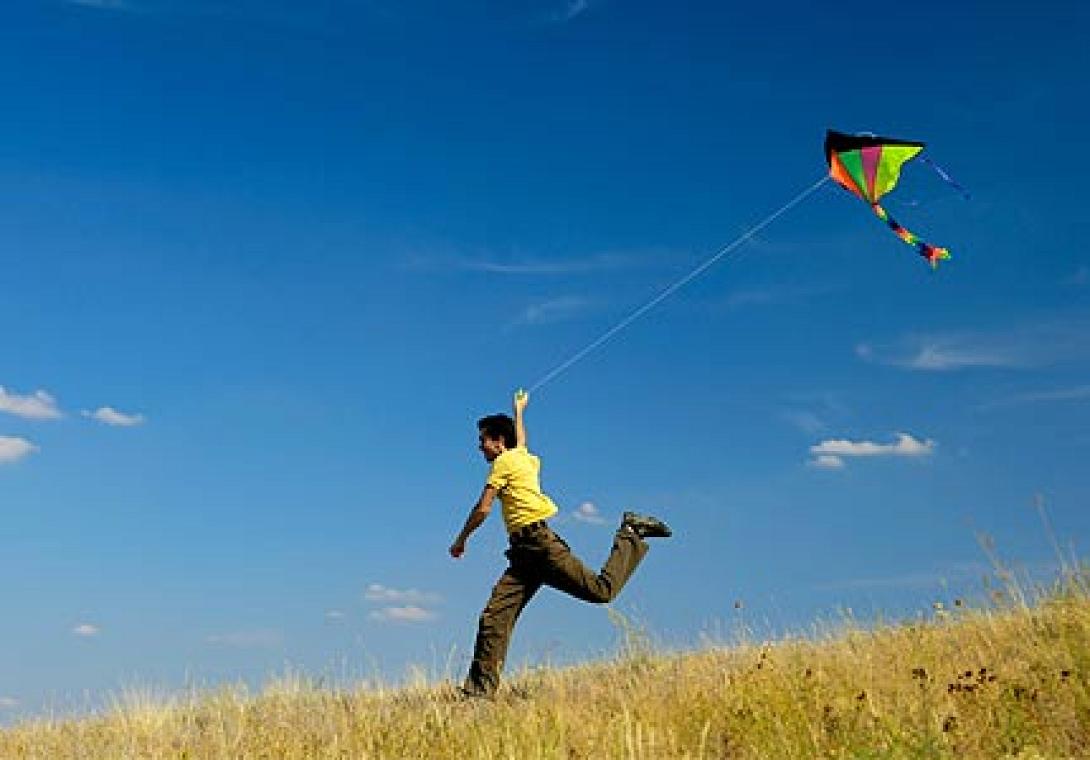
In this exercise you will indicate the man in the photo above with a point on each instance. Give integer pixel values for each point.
(537, 555)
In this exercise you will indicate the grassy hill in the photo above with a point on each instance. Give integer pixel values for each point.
(1009, 681)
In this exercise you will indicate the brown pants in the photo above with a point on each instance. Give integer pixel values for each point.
(540, 557)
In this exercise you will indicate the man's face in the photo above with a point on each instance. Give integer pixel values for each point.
(490, 447)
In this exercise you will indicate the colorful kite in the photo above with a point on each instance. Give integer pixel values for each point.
(870, 166)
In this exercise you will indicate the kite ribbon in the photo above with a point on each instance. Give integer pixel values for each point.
(932, 253)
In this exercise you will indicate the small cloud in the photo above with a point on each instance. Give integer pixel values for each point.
(572, 10)
(8, 703)
(86, 630)
(409, 613)
(905, 445)
(109, 416)
(740, 298)
(262, 638)
(37, 406)
(1024, 346)
(588, 513)
(955, 573)
(782, 294)
(941, 355)
(1075, 393)
(936, 357)
(14, 449)
(806, 421)
(595, 263)
(553, 311)
(827, 462)
(334, 616)
(813, 412)
(830, 454)
(376, 592)
(523, 266)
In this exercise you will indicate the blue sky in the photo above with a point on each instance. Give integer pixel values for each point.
(265, 264)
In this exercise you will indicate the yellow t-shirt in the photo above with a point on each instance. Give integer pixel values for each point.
(515, 475)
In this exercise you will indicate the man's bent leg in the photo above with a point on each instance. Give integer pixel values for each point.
(565, 572)
(509, 596)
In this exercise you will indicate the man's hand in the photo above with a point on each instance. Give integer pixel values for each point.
(457, 549)
(522, 398)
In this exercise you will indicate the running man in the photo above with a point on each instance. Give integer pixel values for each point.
(537, 555)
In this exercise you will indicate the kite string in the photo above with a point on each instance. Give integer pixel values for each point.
(670, 289)
(946, 177)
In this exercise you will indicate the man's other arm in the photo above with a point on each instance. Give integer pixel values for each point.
(477, 516)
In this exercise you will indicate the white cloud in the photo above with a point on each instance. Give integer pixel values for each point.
(14, 449)
(409, 613)
(1027, 345)
(777, 295)
(37, 406)
(400, 606)
(942, 354)
(595, 263)
(256, 639)
(528, 266)
(1076, 393)
(588, 513)
(864, 351)
(827, 462)
(573, 9)
(555, 310)
(830, 454)
(376, 592)
(7, 703)
(86, 630)
(960, 572)
(806, 421)
(814, 411)
(937, 357)
(107, 415)
(905, 445)
(334, 616)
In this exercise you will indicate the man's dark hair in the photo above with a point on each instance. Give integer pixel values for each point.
(499, 426)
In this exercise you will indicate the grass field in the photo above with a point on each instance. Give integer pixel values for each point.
(1010, 680)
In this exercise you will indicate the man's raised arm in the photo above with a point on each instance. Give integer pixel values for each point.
(522, 398)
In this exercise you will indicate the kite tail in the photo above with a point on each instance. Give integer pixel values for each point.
(932, 253)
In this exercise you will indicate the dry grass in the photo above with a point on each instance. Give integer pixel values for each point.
(1010, 681)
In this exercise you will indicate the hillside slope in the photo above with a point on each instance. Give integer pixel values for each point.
(1009, 682)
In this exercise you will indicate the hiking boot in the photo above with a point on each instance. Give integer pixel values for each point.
(645, 526)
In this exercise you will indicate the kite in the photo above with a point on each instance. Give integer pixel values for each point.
(869, 167)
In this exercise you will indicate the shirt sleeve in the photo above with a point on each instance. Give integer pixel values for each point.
(500, 473)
